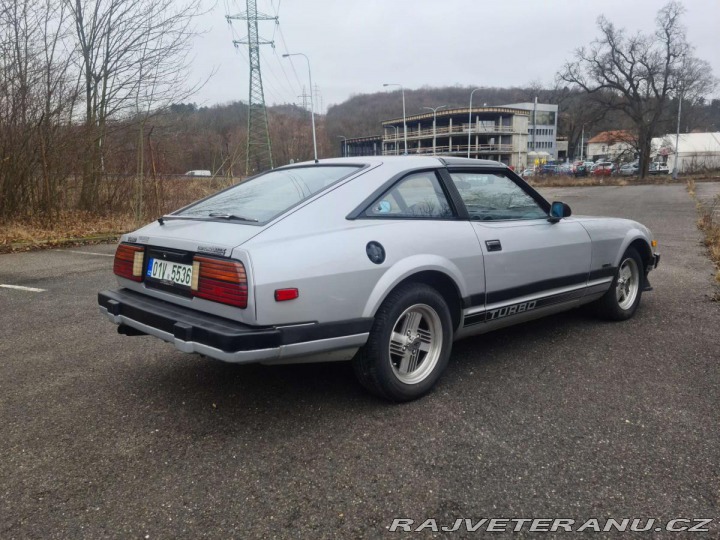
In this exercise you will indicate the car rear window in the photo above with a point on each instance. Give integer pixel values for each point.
(265, 197)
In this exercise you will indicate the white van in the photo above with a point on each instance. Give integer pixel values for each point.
(199, 172)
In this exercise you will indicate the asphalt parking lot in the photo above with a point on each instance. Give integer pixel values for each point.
(103, 435)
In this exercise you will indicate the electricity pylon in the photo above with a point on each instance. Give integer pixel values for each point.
(259, 149)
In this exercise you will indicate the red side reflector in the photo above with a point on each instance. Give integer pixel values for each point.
(281, 295)
(129, 262)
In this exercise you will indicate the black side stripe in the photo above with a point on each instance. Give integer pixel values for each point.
(608, 271)
(499, 313)
(474, 300)
(536, 287)
(478, 318)
(475, 318)
(477, 300)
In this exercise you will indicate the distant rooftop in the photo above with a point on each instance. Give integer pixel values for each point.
(612, 137)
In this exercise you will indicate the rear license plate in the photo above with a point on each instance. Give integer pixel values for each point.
(180, 274)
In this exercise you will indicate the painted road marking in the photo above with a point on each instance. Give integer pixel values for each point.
(91, 253)
(21, 288)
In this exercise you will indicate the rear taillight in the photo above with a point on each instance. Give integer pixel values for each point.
(220, 281)
(129, 262)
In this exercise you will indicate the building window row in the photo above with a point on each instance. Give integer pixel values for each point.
(540, 144)
(541, 131)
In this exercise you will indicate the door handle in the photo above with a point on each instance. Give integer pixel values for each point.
(493, 245)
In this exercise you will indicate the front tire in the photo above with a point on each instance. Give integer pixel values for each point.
(409, 344)
(622, 299)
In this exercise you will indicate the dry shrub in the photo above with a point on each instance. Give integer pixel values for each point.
(585, 181)
(709, 223)
(160, 196)
(67, 228)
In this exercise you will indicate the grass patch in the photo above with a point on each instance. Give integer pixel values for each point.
(117, 212)
(709, 224)
(70, 228)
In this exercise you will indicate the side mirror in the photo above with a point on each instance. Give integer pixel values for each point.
(558, 210)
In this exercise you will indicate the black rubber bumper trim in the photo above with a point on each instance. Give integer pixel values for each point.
(224, 334)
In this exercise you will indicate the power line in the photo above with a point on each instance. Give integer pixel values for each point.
(285, 88)
(286, 51)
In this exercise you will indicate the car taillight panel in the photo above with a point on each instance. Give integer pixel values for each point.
(220, 281)
(129, 261)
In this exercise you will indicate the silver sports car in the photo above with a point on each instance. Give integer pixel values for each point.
(384, 261)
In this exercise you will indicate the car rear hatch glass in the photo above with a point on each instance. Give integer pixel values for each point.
(261, 199)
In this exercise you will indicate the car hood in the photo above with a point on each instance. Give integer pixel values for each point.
(212, 237)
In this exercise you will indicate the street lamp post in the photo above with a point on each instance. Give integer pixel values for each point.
(402, 88)
(312, 100)
(344, 138)
(470, 120)
(434, 110)
(683, 58)
(677, 139)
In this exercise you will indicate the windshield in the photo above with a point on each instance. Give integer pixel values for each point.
(263, 198)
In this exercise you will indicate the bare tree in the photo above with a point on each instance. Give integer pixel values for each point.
(637, 74)
(36, 97)
(132, 55)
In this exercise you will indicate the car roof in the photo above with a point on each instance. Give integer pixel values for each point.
(410, 161)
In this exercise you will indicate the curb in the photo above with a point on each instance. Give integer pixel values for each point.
(47, 244)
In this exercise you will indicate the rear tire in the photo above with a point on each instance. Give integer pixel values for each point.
(623, 297)
(409, 344)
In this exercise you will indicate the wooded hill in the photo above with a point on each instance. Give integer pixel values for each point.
(214, 137)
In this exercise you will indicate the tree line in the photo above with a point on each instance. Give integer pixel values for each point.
(71, 73)
(90, 100)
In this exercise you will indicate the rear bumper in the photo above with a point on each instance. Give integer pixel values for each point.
(230, 341)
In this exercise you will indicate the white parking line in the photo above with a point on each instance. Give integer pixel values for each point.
(21, 288)
(91, 253)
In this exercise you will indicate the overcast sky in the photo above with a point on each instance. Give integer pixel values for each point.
(356, 46)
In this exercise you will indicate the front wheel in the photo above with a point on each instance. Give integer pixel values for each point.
(622, 299)
(409, 344)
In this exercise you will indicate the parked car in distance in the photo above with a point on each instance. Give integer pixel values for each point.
(603, 168)
(528, 172)
(382, 261)
(565, 169)
(657, 167)
(581, 169)
(629, 169)
(198, 172)
(547, 169)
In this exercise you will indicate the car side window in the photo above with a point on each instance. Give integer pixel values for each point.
(416, 196)
(493, 196)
